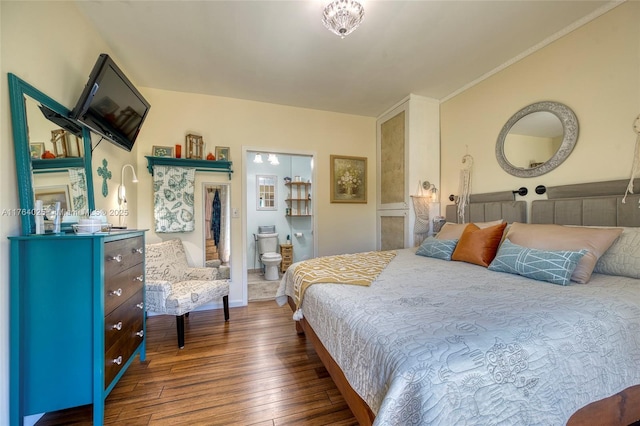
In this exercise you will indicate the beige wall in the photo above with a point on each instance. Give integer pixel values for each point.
(57, 60)
(595, 70)
(341, 228)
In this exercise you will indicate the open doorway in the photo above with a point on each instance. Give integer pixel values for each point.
(279, 217)
(217, 226)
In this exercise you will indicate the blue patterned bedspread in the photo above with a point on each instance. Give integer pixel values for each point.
(450, 343)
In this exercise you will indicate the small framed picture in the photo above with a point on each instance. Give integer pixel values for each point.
(52, 194)
(36, 150)
(222, 153)
(162, 151)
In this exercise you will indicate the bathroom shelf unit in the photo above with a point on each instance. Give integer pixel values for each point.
(286, 251)
(199, 165)
(299, 200)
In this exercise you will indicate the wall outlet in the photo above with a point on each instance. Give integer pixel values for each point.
(235, 212)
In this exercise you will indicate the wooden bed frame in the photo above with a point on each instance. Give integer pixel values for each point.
(621, 409)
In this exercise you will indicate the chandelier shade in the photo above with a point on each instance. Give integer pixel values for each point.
(342, 17)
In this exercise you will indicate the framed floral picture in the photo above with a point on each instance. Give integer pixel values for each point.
(348, 179)
(162, 151)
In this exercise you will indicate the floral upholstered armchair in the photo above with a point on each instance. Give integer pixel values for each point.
(175, 288)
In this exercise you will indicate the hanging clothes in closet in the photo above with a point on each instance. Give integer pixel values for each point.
(208, 214)
(215, 217)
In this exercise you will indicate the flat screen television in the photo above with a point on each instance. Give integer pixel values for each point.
(110, 105)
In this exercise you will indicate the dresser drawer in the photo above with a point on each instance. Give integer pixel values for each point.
(120, 287)
(122, 254)
(119, 353)
(124, 320)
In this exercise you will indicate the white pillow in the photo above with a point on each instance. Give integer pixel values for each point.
(623, 257)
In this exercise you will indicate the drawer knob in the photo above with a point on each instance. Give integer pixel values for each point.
(140, 305)
(117, 292)
(117, 326)
(140, 333)
(137, 250)
(139, 278)
(117, 258)
(118, 360)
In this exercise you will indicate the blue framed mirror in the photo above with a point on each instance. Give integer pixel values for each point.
(53, 156)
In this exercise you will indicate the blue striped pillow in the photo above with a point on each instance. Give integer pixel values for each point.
(552, 266)
(439, 249)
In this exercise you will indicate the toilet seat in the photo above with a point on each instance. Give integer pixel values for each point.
(271, 257)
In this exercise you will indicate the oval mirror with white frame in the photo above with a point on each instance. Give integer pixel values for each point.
(537, 139)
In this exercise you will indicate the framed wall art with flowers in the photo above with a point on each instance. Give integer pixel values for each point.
(348, 179)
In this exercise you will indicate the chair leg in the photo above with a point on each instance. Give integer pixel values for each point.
(180, 326)
(225, 304)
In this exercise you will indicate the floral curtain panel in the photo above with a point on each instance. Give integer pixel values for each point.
(173, 201)
(78, 190)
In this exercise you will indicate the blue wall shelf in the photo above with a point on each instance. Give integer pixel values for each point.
(200, 165)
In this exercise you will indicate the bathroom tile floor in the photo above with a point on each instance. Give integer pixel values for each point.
(260, 289)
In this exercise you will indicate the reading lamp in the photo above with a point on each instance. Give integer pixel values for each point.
(122, 191)
(433, 191)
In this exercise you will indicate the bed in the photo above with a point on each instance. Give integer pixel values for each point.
(431, 341)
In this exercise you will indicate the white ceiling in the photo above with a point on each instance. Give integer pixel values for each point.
(279, 51)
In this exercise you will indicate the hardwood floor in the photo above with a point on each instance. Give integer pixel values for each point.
(252, 370)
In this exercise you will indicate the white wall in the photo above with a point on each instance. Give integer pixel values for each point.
(595, 70)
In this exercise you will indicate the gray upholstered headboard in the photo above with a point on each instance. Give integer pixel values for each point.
(587, 204)
(490, 206)
(591, 204)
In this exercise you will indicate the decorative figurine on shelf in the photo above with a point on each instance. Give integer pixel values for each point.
(48, 155)
(287, 180)
(211, 157)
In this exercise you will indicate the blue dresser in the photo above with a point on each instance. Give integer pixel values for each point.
(77, 319)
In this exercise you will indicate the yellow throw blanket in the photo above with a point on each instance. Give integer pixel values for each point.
(357, 269)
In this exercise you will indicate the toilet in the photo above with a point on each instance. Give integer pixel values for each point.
(267, 247)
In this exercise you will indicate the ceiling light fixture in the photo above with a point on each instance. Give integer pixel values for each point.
(258, 158)
(341, 17)
(273, 159)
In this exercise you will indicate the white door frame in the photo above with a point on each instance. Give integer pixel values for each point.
(245, 151)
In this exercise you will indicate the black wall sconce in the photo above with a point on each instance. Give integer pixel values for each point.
(521, 191)
(541, 189)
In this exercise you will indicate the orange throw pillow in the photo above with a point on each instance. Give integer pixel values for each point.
(479, 245)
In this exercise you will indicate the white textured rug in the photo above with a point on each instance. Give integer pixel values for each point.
(265, 290)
